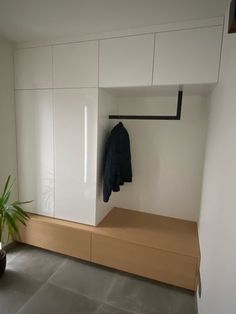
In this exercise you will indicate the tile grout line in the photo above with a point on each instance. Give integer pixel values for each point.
(111, 286)
(82, 294)
(101, 302)
(13, 258)
(109, 290)
(57, 269)
(75, 292)
(99, 308)
(35, 292)
(40, 287)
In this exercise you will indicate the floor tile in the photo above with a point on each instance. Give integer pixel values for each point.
(138, 295)
(184, 302)
(107, 309)
(83, 278)
(54, 300)
(14, 250)
(38, 281)
(15, 290)
(36, 263)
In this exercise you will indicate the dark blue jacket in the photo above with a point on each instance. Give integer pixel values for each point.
(117, 163)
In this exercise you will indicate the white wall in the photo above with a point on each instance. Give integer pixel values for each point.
(7, 115)
(167, 157)
(217, 226)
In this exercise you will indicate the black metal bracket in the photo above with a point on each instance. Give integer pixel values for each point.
(176, 117)
(232, 17)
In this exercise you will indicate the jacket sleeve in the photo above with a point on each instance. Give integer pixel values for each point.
(109, 173)
(128, 176)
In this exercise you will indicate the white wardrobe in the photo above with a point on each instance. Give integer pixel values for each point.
(56, 132)
(62, 108)
(56, 115)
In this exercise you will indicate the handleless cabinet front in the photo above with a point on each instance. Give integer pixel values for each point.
(126, 61)
(34, 120)
(75, 144)
(33, 68)
(75, 65)
(187, 56)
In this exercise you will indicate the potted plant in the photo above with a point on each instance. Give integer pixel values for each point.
(10, 215)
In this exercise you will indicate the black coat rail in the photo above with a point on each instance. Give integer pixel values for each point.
(139, 117)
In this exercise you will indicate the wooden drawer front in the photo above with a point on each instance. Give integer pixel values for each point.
(148, 262)
(57, 238)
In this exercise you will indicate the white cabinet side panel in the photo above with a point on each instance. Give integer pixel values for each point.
(75, 130)
(34, 115)
(107, 105)
(76, 65)
(33, 68)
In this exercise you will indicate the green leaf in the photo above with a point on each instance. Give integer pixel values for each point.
(10, 221)
(6, 197)
(11, 214)
(20, 210)
(21, 203)
(20, 218)
(6, 185)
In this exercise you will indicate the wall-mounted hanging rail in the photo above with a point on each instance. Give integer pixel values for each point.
(139, 117)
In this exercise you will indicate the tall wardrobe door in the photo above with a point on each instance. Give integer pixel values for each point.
(75, 127)
(34, 117)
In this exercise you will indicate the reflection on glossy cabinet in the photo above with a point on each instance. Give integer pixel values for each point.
(34, 115)
(75, 65)
(187, 56)
(33, 68)
(75, 130)
(126, 61)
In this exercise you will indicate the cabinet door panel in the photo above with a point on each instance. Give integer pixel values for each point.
(126, 61)
(34, 115)
(75, 154)
(187, 56)
(33, 68)
(76, 65)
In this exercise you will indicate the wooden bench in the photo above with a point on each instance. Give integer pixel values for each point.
(156, 247)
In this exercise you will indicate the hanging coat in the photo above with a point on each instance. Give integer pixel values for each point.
(117, 163)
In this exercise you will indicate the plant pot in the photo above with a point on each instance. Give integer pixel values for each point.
(3, 261)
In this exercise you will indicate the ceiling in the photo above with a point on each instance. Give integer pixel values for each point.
(32, 20)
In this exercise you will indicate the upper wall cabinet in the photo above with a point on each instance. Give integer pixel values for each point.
(75, 65)
(33, 68)
(126, 61)
(187, 56)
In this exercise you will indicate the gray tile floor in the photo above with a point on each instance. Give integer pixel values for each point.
(38, 281)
